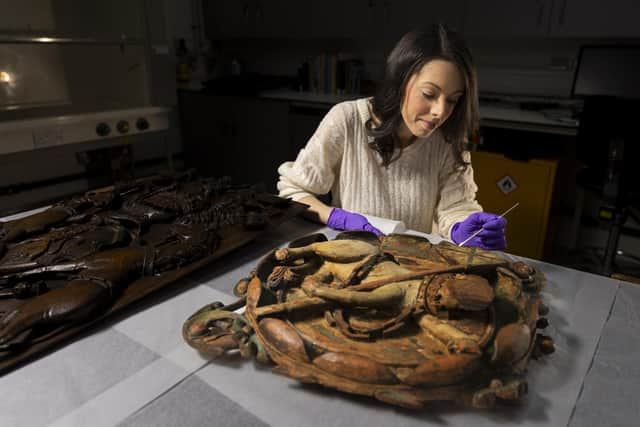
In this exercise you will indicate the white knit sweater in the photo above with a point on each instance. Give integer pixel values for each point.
(422, 187)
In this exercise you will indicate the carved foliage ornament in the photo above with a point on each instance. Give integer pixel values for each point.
(397, 319)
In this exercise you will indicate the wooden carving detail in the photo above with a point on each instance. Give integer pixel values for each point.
(397, 319)
(67, 264)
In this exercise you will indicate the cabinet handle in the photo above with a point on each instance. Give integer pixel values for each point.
(372, 12)
(540, 14)
(259, 13)
(562, 13)
(245, 13)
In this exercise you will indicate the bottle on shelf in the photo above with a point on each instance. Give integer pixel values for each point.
(183, 68)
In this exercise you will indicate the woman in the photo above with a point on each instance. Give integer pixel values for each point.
(401, 154)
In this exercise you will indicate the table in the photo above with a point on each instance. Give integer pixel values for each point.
(135, 369)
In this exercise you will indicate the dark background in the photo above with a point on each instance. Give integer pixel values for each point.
(244, 98)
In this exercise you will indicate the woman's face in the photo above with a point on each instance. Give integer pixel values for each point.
(430, 96)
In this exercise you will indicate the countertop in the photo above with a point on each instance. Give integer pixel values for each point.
(506, 114)
(136, 370)
(496, 114)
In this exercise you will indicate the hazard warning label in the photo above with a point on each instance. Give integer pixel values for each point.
(506, 184)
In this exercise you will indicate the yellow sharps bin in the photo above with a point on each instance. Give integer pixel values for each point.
(502, 182)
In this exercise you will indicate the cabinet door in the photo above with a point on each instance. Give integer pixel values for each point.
(503, 18)
(339, 18)
(502, 182)
(27, 15)
(596, 18)
(395, 18)
(261, 140)
(206, 124)
(280, 18)
(102, 19)
(229, 18)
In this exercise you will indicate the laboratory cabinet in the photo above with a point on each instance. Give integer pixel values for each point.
(506, 18)
(503, 182)
(244, 138)
(595, 19)
(229, 19)
(552, 19)
(388, 20)
(376, 19)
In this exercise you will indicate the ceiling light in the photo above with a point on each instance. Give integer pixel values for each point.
(5, 77)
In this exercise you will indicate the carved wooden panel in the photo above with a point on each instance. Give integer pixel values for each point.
(88, 257)
(396, 318)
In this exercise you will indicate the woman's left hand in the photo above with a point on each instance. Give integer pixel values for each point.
(490, 238)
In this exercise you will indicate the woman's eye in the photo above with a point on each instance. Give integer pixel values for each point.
(429, 96)
(452, 101)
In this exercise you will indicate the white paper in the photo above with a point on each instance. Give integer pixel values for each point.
(126, 397)
(387, 226)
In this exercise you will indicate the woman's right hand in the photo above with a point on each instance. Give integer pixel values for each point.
(339, 219)
(336, 218)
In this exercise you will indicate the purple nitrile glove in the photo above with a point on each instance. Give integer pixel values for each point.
(490, 238)
(339, 219)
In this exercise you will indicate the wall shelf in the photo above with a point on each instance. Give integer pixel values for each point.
(60, 39)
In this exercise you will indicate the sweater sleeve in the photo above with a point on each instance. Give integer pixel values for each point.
(457, 194)
(314, 170)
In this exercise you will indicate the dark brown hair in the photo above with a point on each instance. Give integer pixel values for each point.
(415, 49)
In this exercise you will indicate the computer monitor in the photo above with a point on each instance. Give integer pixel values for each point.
(608, 70)
(606, 77)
